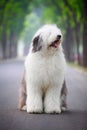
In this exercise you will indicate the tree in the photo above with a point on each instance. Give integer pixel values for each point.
(3, 38)
(85, 33)
(13, 13)
(75, 8)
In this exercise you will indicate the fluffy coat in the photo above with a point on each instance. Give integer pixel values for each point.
(45, 71)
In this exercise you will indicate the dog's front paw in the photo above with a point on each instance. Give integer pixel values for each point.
(35, 105)
(34, 109)
(53, 110)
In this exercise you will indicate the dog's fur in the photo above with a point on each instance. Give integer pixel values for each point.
(43, 86)
(23, 95)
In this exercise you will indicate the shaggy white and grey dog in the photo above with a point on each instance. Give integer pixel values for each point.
(45, 71)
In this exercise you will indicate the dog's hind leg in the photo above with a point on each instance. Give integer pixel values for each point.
(22, 94)
(64, 97)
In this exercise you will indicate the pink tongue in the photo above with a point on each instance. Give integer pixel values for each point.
(56, 45)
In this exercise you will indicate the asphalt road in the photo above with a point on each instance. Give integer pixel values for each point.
(12, 119)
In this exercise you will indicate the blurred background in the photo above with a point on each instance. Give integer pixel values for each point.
(19, 20)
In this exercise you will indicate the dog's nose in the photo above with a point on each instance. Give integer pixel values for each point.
(58, 36)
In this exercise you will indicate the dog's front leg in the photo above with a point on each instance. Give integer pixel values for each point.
(52, 103)
(34, 100)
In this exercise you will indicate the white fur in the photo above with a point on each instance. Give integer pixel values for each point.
(45, 70)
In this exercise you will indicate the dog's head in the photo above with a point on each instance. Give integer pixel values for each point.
(47, 38)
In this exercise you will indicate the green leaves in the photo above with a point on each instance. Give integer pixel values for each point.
(13, 13)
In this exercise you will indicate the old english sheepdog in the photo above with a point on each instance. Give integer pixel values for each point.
(43, 86)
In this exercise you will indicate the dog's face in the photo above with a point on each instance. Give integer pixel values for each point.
(48, 38)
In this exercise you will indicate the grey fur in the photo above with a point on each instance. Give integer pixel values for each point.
(37, 44)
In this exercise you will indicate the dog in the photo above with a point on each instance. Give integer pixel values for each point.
(43, 87)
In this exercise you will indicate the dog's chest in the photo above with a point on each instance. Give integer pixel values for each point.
(45, 70)
(53, 68)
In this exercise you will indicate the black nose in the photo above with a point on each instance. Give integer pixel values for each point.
(58, 36)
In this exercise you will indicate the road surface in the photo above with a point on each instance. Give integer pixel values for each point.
(12, 119)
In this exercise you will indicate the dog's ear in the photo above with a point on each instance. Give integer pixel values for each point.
(37, 44)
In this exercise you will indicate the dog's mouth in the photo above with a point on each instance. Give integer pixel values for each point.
(55, 44)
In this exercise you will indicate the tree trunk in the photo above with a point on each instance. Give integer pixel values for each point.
(68, 44)
(77, 31)
(85, 34)
(15, 47)
(12, 45)
(4, 42)
(11, 40)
